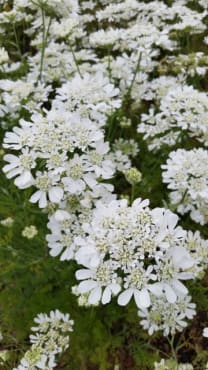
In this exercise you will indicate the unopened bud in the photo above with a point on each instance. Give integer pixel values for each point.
(133, 176)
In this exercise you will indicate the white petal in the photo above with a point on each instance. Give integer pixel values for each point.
(67, 255)
(35, 197)
(125, 297)
(14, 172)
(142, 298)
(205, 332)
(91, 182)
(83, 274)
(43, 200)
(61, 215)
(56, 250)
(115, 288)
(171, 219)
(9, 167)
(106, 295)
(24, 180)
(181, 257)
(170, 294)
(86, 286)
(156, 289)
(11, 158)
(95, 295)
(55, 194)
(179, 286)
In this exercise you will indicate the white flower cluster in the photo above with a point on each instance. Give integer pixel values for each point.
(87, 67)
(193, 64)
(186, 175)
(171, 364)
(134, 251)
(182, 111)
(167, 317)
(29, 232)
(50, 338)
(205, 332)
(69, 150)
(19, 94)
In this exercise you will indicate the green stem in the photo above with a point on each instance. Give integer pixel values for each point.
(132, 193)
(173, 351)
(134, 76)
(45, 34)
(75, 61)
(109, 63)
(16, 40)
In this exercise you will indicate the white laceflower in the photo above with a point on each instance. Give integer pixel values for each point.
(7, 222)
(75, 84)
(23, 94)
(157, 88)
(183, 110)
(186, 175)
(19, 137)
(73, 155)
(198, 248)
(107, 38)
(165, 316)
(93, 95)
(128, 147)
(141, 250)
(205, 332)
(62, 8)
(65, 228)
(4, 57)
(204, 4)
(191, 64)
(102, 282)
(65, 224)
(188, 18)
(20, 167)
(50, 338)
(137, 283)
(29, 232)
(124, 10)
(171, 364)
(48, 189)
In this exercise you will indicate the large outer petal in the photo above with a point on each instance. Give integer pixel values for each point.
(106, 297)
(83, 274)
(86, 285)
(142, 298)
(55, 194)
(95, 295)
(125, 297)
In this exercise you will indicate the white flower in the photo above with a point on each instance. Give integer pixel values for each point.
(165, 316)
(19, 137)
(205, 332)
(21, 168)
(183, 108)
(95, 279)
(65, 228)
(29, 232)
(90, 94)
(144, 249)
(46, 183)
(136, 284)
(7, 222)
(50, 338)
(186, 175)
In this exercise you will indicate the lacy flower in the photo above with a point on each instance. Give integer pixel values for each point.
(141, 250)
